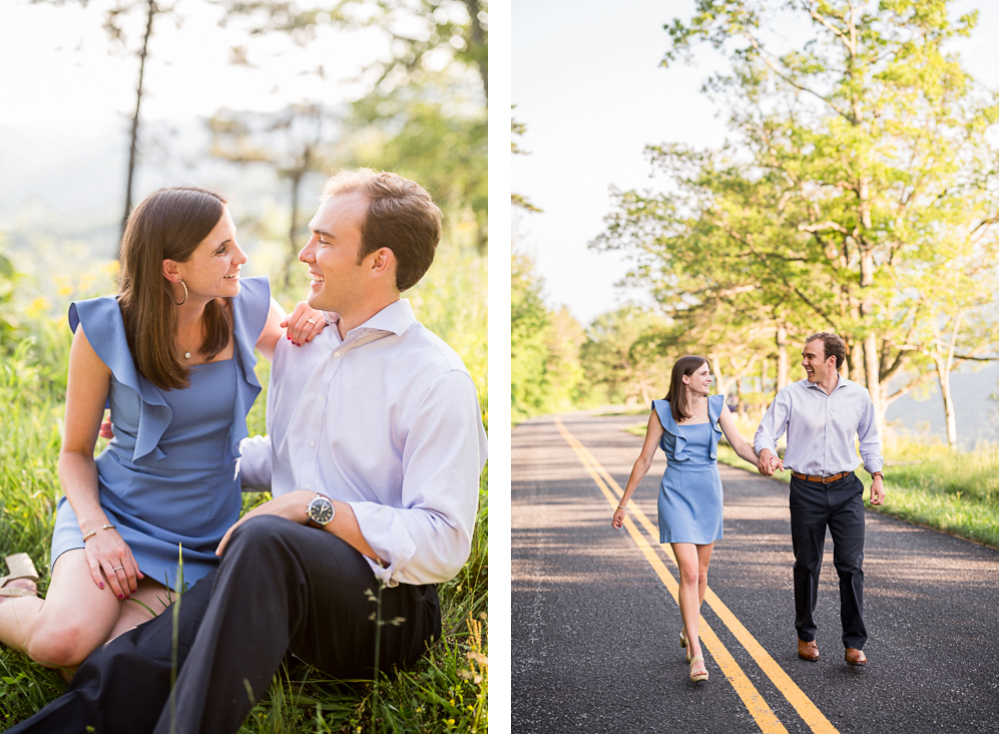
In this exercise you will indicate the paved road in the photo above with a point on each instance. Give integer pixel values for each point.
(595, 629)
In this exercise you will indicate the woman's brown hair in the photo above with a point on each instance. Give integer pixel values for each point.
(169, 224)
(677, 395)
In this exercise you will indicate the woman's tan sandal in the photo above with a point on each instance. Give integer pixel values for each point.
(21, 570)
(698, 670)
(684, 644)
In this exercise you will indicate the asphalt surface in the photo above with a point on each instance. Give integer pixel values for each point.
(594, 630)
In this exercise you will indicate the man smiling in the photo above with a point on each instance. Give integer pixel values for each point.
(822, 415)
(374, 448)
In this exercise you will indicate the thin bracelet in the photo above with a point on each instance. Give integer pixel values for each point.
(621, 508)
(92, 533)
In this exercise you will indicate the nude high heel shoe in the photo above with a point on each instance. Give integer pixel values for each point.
(21, 569)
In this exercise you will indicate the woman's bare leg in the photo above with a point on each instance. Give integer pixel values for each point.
(692, 561)
(73, 620)
(148, 602)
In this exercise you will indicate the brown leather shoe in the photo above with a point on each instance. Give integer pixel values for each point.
(808, 651)
(855, 657)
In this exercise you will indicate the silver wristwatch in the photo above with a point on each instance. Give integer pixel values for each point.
(320, 511)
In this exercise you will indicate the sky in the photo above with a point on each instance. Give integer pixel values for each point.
(588, 85)
(67, 81)
(67, 94)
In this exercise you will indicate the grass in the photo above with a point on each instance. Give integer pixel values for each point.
(446, 691)
(926, 483)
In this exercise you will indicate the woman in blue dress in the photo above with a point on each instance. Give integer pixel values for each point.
(687, 425)
(173, 357)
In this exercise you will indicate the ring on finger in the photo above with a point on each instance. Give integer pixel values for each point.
(118, 568)
(311, 321)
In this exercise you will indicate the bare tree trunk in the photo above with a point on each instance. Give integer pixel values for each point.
(293, 227)
(944, 364)
(478, 40)
(723, 384)
(134, 143)
(872, 356)
(944, 379)
(781, 340)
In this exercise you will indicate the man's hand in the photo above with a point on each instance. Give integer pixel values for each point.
(878, 490)
(291, 506)
(768, 463)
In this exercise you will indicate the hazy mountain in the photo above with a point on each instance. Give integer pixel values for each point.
(975, 396)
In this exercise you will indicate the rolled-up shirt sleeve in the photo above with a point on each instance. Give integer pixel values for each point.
(869, 444)
(773, 424)
(428, 539)
(255, 464)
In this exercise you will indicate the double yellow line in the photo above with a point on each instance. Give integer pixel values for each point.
(746, 690)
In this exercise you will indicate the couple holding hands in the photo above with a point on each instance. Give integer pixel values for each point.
(373, 452)
(821, 415)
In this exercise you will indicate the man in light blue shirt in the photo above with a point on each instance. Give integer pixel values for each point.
(822, 415)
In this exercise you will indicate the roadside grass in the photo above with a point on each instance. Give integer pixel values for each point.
(446, 691)
(956, 492)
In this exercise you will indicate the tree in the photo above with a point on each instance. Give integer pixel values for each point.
(291, 141)
(519, 128)
(425, 116)
(528, 321)
(116, 18)
(863, 164)
(629, 351)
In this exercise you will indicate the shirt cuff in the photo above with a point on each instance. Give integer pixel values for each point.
(759, 446)
(873, 464)
(387, 536)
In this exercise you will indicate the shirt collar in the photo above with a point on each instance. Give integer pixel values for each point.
(397, 317)
(841, 382)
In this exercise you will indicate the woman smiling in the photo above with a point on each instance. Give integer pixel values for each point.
(172, 356)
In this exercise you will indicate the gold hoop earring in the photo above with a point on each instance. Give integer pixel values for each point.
(185, 294)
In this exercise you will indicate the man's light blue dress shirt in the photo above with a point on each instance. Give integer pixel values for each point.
(388, 421)
(821, 428)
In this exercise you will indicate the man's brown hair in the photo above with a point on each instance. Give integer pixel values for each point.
(401, 216)
(833, 346)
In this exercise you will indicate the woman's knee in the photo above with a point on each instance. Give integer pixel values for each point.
(63, 643)
(690, 576)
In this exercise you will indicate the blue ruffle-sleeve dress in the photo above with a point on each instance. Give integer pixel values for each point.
(170, 476)
(690, 501)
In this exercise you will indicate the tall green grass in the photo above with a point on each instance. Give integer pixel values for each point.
(446, 691)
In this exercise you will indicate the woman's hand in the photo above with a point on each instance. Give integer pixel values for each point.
(303, 324)
(110, 557)
(618, 519)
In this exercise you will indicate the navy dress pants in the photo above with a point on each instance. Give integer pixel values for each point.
(282, 587)
(814, 507)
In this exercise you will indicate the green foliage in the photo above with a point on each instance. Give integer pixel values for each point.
(863, 161)
(546, 373)
(424, 115)
(630, 353)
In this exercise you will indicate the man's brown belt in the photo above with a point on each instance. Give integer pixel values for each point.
(824, 480)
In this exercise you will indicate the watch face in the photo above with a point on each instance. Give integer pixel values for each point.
(320, 510)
